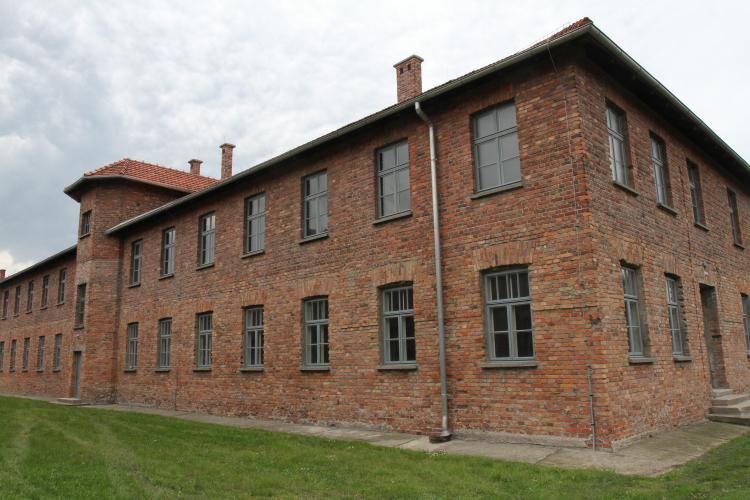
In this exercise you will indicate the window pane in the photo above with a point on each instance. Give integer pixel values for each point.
(404, 201)
(387, 159)
(509, 146)
(486, 124)
(322, 182)
(499, 319)
(512, 170)
(311, 186)
(507, 116)
(487, 153)
(525, 344)
(522, 315)
(489, 177)
(502, 347)
(523, 284)
(388, 184)
(402, 154)
(403, 179)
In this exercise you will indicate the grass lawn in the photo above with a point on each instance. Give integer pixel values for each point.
(52, 451)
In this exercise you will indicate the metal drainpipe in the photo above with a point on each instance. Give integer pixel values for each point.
(445, 434)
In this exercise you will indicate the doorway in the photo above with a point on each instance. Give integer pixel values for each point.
(714, 347)
(77, 382)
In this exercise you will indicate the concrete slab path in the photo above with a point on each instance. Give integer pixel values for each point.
(651, 457)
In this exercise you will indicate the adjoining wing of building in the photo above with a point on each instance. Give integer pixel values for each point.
(593, 268)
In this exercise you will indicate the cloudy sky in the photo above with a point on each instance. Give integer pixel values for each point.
(84, 84)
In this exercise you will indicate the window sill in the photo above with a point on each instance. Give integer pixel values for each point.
(165, 277)
(251, 369)
(204, 266)
(203, 369)
(84, 236)
(404, 368)
(78, 327)
(501, 189)
(24, 370)
(667, 208)
(15, 315)
(11, 370)
(641, 360)
(626, 188)
(55, 370)
(741, 247)
(253, 254)
(40, 370)
(134, 285)
(402, 215)
(701, 226)
(43, 308)
(162, 370)
(499, 365)
(29, 312)
(130, 370)
(315, 368)
(679, 358)
(60, 303)
(317, 237)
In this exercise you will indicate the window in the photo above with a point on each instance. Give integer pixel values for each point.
(398, 326)
(508, 313)
(393, 180)
(205, 325)
(40, 354)
(136, 263)
(657, 157)
(86, 223)
(57, 355)
(256, 223)
(746, 326)
(316, 204)
(254, 337)
(165, 342)
(695, 192)
(26, 349)
(30, 296)
(208, 233)
(132, 350)
(674, 316)
(168, 242)
(496, 148)
(17, 307)
(61, 286)
(632, 316)
(45, 291)
(81, 305)
(316, 332)
(617, 146)
(6, 300)
(12, 355)
(735, 217)
(2, 355)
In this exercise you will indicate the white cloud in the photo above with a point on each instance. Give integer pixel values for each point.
(10, 266)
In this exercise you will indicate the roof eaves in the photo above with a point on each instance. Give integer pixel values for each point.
(39, 264)
(70, 189)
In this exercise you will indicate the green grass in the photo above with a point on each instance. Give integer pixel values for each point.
(51, 451)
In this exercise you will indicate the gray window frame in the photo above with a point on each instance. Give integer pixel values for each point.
(499, 136)
(13, 349)
(675, 321)
(136, 262)
(2, 355)
(57, 354)
(131, 358)
(207, 239)
(81, 304)
(40, 353)
(17, 305)
(617, 142)
(26, 353)
(6, 303)
(317, 348)
(406, 345)
(632, 303)
(45, 291)
(745, 321)
(254, 337)
(255, 214)
(204, 340)
(169, 245)
(510, 304)
(30, 296)
(695, 186)
(398, 170)
(165, 343)
(315, 197)
(63, 280)
(660, 170)
(734, 217)
(86, 224)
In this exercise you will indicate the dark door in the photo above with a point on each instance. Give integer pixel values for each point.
(78, 374)
(712, 332)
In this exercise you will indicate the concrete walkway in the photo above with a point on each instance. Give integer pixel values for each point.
(651, 457)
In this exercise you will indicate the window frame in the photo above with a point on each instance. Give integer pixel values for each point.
(26, 353)
(675, 315)
(314, 197)
(510, 304)
(13, 350)
(207, 238)
(250, 218)
(57, 354)
(131, 353)
(45, 291)
(6, 303)
(497, 137)
(164, 354)
(63, 280)
(40, 353)
(255, 331)
(402, 316)
(204, 340)
(17, 305)
(661, 172)
(397, 170)
(85, 224)
(321, 348)
(81, 305)
(734, 217)
(633, 300)
(30, 296)
(2, 355)
(694, 185)
(616, 138)
(746, 320)
(136, 262)
(168, 248)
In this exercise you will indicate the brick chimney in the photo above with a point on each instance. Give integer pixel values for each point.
(226, 160)
(2, 274)
(409, 77)
(195, 167)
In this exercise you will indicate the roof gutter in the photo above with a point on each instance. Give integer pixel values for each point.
(39, 264)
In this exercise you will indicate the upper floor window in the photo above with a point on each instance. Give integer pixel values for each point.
(316, 204)
(398, 325)
(86, 223)
(57, 355)
(6, 300)
(254, 337)
(12, 355)
(617, 161)
(136, 262)
(673, 305)
(81, 305)
(40, 354)
(165, 342)
(393, 180)
(316, 332)
(45, 291)
(205, 330)
(168, 251)
(496, 153)
(632, 313)
(256, 223)
(17, 308)
(695, 192)
(208, 235)
(735, 217)
(660, 175)
(132, 352)
(61, 286)
(745, 325)
(30, 296)
(508, 313)
(26, 352)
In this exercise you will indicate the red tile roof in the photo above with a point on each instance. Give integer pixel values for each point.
(163, 176)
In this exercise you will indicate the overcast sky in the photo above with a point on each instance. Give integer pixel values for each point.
(85, 84)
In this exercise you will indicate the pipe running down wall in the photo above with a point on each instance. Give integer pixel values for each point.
(445, 433)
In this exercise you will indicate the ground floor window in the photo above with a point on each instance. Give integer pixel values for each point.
(508, 315)
(254, 337)
(398, 325)
(205, 328)
(316, 332)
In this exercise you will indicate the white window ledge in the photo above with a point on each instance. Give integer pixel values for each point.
(639, 360)
(501, 189)
(315, 368)
(679, 358)
(500, 365)
(405, 367)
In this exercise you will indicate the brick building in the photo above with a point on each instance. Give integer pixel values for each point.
(590, 250)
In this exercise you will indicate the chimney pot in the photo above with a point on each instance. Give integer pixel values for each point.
(2, 274)
(195, 167)
(226, 160)
(408, 78)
